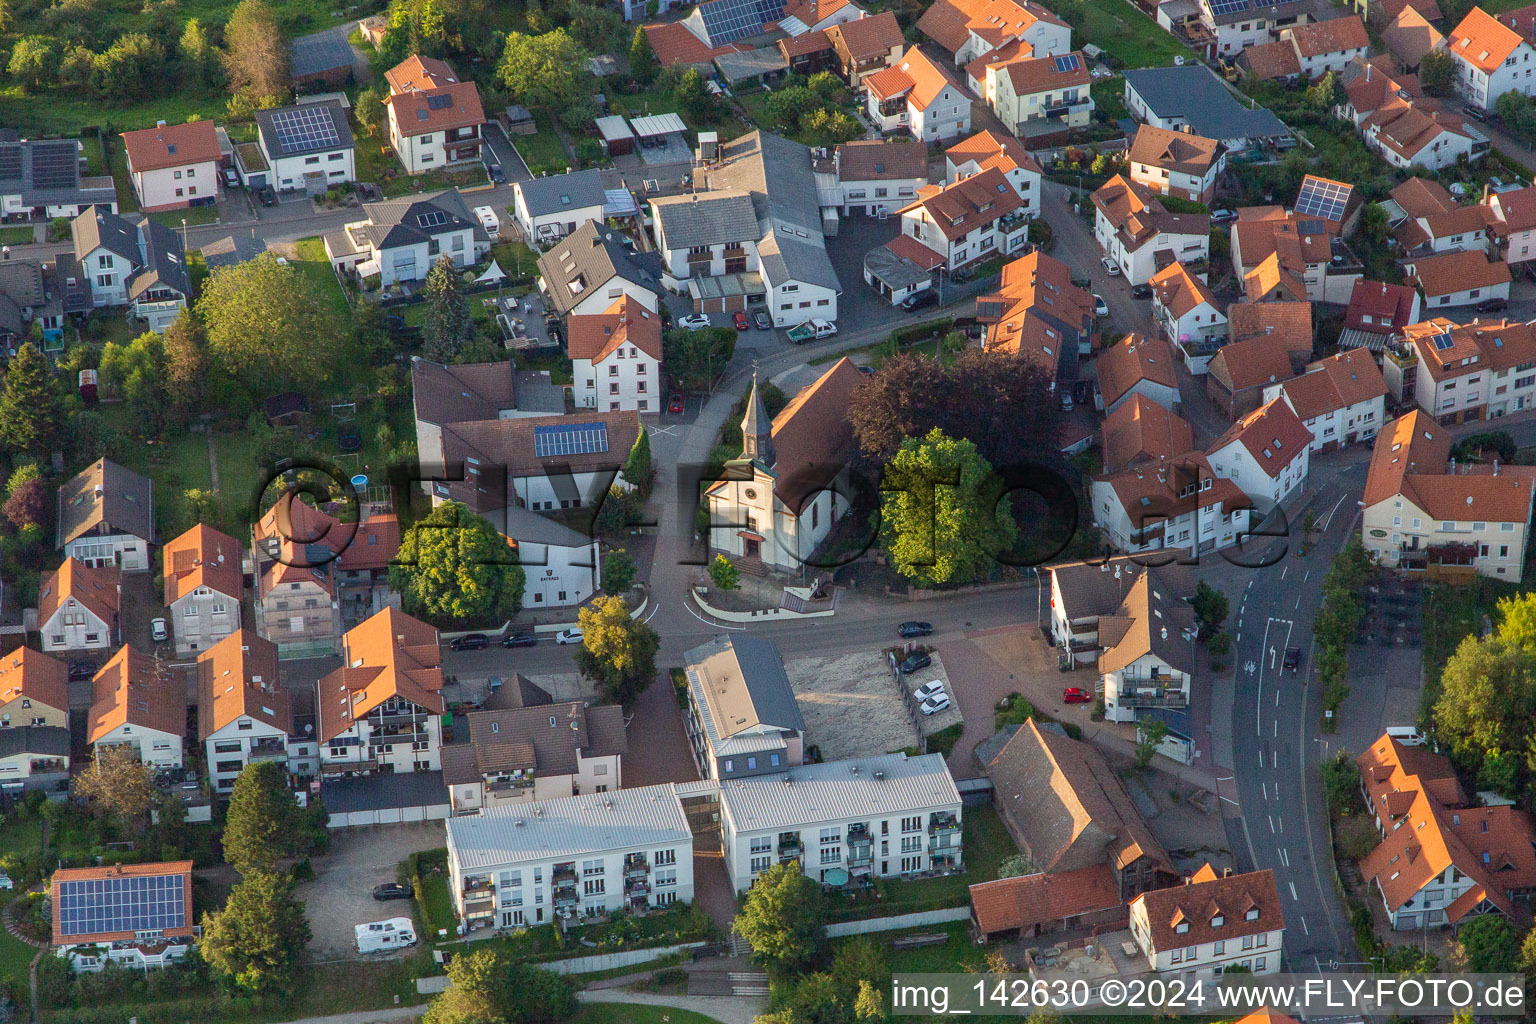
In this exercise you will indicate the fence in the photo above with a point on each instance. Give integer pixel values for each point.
(900, 922)
(609, 961)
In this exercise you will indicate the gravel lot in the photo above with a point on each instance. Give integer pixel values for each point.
(851, 707)
(341, 895)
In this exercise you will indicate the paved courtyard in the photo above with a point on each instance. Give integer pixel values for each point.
(341, 895)
(851, 705)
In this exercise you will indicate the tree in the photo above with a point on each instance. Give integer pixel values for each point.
(369, 110)
(1016, 865)
(1518, 113)
(724, 574)
(130, 68)
(454, 568)
(186, 367)
(255, 52)
(829, 127)
(261, 823)
(257, 941)
(1437, 73)
(31, 407)
(942, 517)
(617, 650)
(28, 500)
(1211, 608)
(785, 107)
(1489, 945)
(34, 60)
(781, 918)
(198, 57)
(637, 468)
(116, 783)
(1528, 952)
(1149, 736)
(695, 359)
(447, 326)
(543, 72)
(642, 59)
(268, 329)
(486, 987)
(1487, 698)
(691, 97)
(1320, 94)
(138, 373)
(618, 572)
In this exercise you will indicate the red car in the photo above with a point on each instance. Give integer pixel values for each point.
(1077, 695)
(739, 318)
(675, 403)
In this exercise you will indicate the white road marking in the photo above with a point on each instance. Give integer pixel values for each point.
(719, 625)
(1261, 759)
(1283, 570)
(1273, 762)
(1275, 731)
(1331, 511)
(1281, 819)
(1277, 698)
(1306, 575)
(1229, 800)
(1293, 892)
(651, 616)
(1271, 818)
(1304, 927)
(1297, 605)
(1265, 787)
(1258, 726)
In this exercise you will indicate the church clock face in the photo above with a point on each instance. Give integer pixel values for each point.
(750, 494)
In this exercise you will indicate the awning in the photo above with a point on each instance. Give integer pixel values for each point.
(618, 202)
(835, 876)
(492, 274)
(657, 124)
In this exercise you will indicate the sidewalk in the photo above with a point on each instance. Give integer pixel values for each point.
(725, 1009)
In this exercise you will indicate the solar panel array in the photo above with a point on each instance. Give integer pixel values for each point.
(1067, 62)
(100, 906)
(441, 101)
(55, 165)
(1443, 342)
(570, 439)
(432, 219)
(1221, 8)
(303, 129)
(1322, 198)
(10, 162)
(729, 20)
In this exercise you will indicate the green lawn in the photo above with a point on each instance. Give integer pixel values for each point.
(1124, 32)
(117, 164)
(21, 235)
(542, 151)
(193, 215)
(637, 1013)
(239, 472)
(311, 261)
(15, 957)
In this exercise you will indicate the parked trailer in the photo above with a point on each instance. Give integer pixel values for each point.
(395, 933)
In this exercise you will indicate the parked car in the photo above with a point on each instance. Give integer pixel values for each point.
(158, 631)
(469, 642)
(1222, 216)
(1141, 291)
(915, 661)
(1100, 307)
(1066, 401)
(231, 178)
(762, 321)
(739, 320)
(934, 705)
(811, 330)
(1077, 695)
(568, 636)
(693, 322)
(914, 628)
(79, 670)
(6, 883)
(266, 195)
(1292, 658)
(391, 891)
(519, 640)
(1493, 306)
(1110, 267)
(866, 369)
(675, 403)
(920, 300)
(928, 690)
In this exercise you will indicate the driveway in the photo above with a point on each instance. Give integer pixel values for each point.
(859, 303)
(512, 166)
(341, 895)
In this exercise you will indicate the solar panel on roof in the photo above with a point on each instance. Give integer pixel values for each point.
(305, 128)
(55, 165)
(432, 219)
(1321, 198)
(10, 162)
(442, 101)
(1443, 342)
(726, 21)
(570, 439)
(1221, 8)
(1067, 62)
(100, 906)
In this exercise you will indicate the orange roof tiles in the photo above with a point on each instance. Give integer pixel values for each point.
(1336, 35)
(626, 322)
(1175, 151)
(1389, 306)
(987, 149)
(1483, 40)
(388, 655)
(1180, 292)
(1139, 216)
(1516, 210)
(1411, 458)
(202, 557)
(35, 676)
(1133, 359)
(1254, 363)
(1029, 336)
(812, 438)
(1273, 434)
(1032, 75)
(1410, 36)
(1267, 61)
(171, 931)
(133, 688)
(1042, 898)
(96, 589)
(915, 73)
(1335, 383)
(1289, 321)
(951, 22)
(961, 206)
(866, 38)
(238, 677)
(1248, 903)
(1141, 431)
(674, 44)
(1451, 272)
(1421, 197)
(171, 145)
(1272, 280)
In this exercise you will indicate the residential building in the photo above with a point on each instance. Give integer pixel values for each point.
(590, 270)
(1480, 370)
(971, 219)
(33, 292)
(1342, 400)
(1148, 660)
(616, 358)
(34, 757)
(298, 606)
(1406, 135)
(549, 208)
(1376, 312)
(775, 505)
(1141, 431)
(34, 691)
(866, 45)
(879, 177)
(1210, 924)
(1177, 163)
(1084, 593)
(434, 117)
(1227, 29)
(135, 915)
(1418, 506)
(1136, 365)
(307, 147)
(78, 608)
(526, 864)
(467, 392)
(1335, 203)
(1311, 50)
(870, 817)
(173, 166)
(1068, 811)
(202, 570)
(804, 54)
(1442, 859)
(1037, 94)
(742, 715)
(1184, 307)
(1297, 256)
(1237, 375)
(1176, 503)
(141, 266)
(973, 28)
(918, 96)
(1192, 95)
(1038, 314)
(106, 517)
(1511, 218)
(563, 568)
(985, 151)
(1369, 85)
(137, 702)
(381, 711)
(1045, 902)
(1457, 229)
(710, 234)
(46, 178)
(1140, 236)
(520, 755)
(1290, 322)
(1266, 453)
(401, 239)
(803, 16)
(244, 712)
(1493, 56)
(1458, 278)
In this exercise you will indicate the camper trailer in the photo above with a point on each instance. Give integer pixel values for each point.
(396, 933)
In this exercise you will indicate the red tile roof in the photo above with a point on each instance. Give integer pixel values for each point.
(962, 206)
(389, 654)
(1133, 359)
(1453, 272)
(183, 868)
(96, 589)
(987, 149)
(865, 38)
(1411, 458)
(133, 688)
(1175, 151)
(1483, 40)
(171, 145)
(1273, 434)
(202, 557)
(1245, 904)
(238, 677)
(1336, 35)
(1032, 75)
(1010, 904)
(1141, 431)
(1335, 383)
(951, 22)
(1390, 307)
(626, 322)
(1254, 363)
(35, 676)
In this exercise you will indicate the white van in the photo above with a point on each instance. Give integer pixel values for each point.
(1407, 735)
(396, 933)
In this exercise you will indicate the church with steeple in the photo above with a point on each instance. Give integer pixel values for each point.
(776, 504)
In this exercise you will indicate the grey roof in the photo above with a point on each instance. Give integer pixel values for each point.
(1090, 589)
(105, 492)
(393, 223)
(623, 819)
(1194, 94)
(562, 193)
(464, 391)
(517, 692)
(380, 792)
(743, 67)
(22, 282)
(536, 392)
(585, 260)
(613, 128)
(528, 527)
(556, 734)
(46, 172)
(706, 218)
(100, 228)
(318, 53)
(231, 250)
(893, 269)
(42, 740)
(72, 290)
(164, 263)
(272, 139)
(874, 786)
(740, 680)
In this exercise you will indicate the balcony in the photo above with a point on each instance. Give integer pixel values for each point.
(1148, 697)
(636, 886)
(566, 896)
(942, 824)
(509, 785)
(636, 866)
(268, 750)
(1068, 110)
(1011, 222)
(481, 887)
(789, 848)
(1402, 356)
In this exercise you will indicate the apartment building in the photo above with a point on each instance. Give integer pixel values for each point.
(1147, 670)
(919, 97)
(1211, 923)
(1082, 593)
(1038, 93)
(244, 713)
(1138, 233)
(1493, 56)
(1174, 503)
(879, 177)
(871, 817)
(1511, 218)
(1342, 400)
(971, 29)
(539, 752)
(1458, 373)
(527, 864)
(434, 116)
(298, 605)
(202, 570)
(1176, 163)
(970, 219)
(1266, 453)
(616, 358)
(137, 702)
(742, 715)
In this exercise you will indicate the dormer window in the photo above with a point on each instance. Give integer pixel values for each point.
(1218, 921)
(1252, 915)
(1181, 927)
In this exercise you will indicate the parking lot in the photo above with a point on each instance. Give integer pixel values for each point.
(853, 708)
(341, 895)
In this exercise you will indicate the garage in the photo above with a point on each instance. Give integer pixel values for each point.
(385, 799)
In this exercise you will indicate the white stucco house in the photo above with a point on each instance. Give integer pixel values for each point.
(1266, 453)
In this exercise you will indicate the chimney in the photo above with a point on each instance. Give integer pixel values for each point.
(1367, 72)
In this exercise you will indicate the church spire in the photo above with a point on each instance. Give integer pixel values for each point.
(757, 429)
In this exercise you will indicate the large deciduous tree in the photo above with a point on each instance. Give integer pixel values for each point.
(256, 52)
(543, 72)
(783, 920)
(257, 941)
(447, 327)
(117, 783)
(268, 328)
(694, 359)
(28, 499)
(617, 650)
(138, 373)
(454, 567)
(489, 988)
